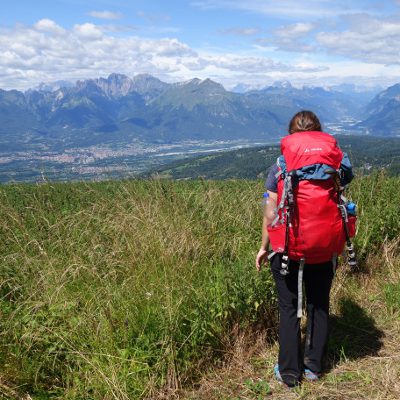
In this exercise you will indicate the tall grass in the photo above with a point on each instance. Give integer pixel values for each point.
(116, 290)
(111, 290)
(378, 199)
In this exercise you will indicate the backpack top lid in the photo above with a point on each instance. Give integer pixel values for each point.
(312, 147)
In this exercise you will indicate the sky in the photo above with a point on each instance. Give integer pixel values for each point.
(248, 42)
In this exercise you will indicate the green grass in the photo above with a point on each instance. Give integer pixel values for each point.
(392, 296)
(120, 289)
(125, 287)
(378, 199)
(258, 389)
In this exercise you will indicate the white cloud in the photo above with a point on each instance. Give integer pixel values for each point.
(47, 52)
(240, 31)
(88, 31)
(362, 37)
(247, 64)
(109, 15)
(309, 67)
(250, 64)
(295, 30)
(153, 18)
(47, 25)
(291, 38)
(285, 8)
(371, 40)
(287, 44)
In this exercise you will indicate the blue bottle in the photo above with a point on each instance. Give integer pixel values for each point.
(268, 207)
(351, 208)
(265, 200)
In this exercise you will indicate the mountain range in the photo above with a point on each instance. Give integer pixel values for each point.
(118, 110)
(383, 113)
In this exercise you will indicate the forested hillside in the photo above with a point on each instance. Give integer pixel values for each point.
(366, 153)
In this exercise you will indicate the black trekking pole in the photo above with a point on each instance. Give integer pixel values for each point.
(285, 257)
(351, 255)
(288, 210)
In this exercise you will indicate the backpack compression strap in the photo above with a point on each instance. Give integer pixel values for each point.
(351, 255)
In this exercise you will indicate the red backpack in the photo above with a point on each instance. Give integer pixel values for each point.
(312, 223)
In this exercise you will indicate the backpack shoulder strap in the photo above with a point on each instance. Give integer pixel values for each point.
(346, 170)
(281, 163)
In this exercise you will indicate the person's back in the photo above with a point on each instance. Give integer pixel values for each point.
(306, 237)
(308, 193)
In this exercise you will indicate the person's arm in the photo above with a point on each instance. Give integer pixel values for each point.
(268, 213)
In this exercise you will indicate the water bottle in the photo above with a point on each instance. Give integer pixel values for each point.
(351, 208)
(268, 207)
(265, 201)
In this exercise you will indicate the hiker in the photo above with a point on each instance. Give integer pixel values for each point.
(303, 252)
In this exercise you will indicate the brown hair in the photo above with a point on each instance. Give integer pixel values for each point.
(304, 121)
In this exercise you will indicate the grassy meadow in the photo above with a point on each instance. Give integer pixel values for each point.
(143, 288)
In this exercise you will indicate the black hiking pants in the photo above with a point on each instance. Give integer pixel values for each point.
(317, 281)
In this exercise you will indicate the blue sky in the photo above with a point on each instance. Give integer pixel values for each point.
(253, 42)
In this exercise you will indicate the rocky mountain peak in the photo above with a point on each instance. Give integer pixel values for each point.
(146, 84)
(116, 85)
(282, 85)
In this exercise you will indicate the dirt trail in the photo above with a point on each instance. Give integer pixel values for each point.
(363, 356)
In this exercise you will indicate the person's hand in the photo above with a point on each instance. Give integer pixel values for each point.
(261, 258)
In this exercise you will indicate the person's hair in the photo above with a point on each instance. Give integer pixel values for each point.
(304, 121)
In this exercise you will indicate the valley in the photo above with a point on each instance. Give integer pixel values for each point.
(104, 162)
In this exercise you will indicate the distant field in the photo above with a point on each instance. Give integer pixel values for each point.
(122, 290)
(119, 161)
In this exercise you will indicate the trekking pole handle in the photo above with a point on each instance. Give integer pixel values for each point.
(351, 255)
(284, 265)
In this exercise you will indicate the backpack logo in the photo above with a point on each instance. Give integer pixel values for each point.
(313, 149)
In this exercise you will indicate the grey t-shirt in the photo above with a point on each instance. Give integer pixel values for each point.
(271, 182)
